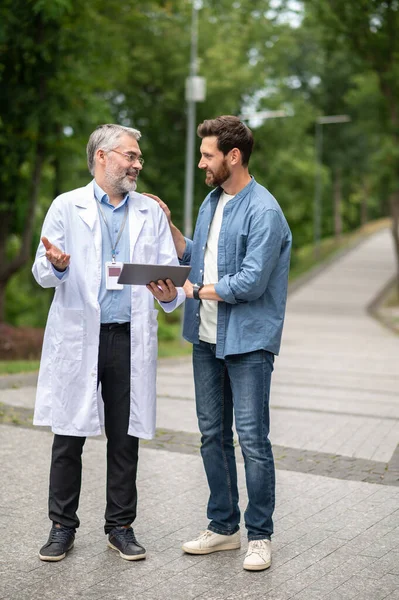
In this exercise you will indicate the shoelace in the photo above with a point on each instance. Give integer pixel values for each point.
(60, 534)
(204, 534)
(127, 534)
(257, 545)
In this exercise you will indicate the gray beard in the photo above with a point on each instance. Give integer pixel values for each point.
(128, 186)
(122, 186)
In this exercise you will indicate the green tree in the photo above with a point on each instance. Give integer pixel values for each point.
(153, 98)
(66, 67)
(370, 31)
(52, 74)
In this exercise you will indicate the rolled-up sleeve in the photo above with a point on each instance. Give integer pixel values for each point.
(264, 243)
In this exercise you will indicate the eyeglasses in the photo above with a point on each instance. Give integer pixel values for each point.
(130, 156)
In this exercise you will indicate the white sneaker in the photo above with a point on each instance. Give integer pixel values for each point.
(208, 542)
(259, 555)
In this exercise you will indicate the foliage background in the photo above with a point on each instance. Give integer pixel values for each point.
(66, 66)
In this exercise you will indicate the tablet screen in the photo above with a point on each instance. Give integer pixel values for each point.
(143, 274)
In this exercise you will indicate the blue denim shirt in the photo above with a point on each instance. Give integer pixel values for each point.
(253, 264)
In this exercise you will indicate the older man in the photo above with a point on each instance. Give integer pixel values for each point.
(100, 333)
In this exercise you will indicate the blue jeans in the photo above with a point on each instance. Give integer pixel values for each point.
(241, 381)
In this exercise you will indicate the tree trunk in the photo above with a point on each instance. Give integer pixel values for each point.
(57, 176)
(57, 164)
(2, 300)
(7, 269)
(337, 193)
(364, 217)
(5, 218)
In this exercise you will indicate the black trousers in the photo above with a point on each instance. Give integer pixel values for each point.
(122, 449)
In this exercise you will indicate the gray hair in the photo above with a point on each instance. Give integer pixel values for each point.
(106, 137)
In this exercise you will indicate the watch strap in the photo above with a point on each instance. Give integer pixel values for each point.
(196, 290)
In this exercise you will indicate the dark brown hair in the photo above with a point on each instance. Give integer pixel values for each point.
(231, 133)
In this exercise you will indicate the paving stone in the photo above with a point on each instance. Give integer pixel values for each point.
(388, 564)
(365, 589)
(393, 596)
(382, 545)
(336, 534)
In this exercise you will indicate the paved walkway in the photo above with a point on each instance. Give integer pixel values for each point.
(335, 429)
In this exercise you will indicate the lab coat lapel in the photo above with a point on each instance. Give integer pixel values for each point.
(87, 209)
(137, 216)
(87, 206)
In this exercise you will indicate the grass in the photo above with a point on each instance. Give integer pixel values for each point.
(16, 415)
(166, 349)
(171, 348)
(387, 310)
(392, 298)
(8, 367)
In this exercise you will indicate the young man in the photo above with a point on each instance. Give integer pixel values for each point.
(234, 317)
(100, 332)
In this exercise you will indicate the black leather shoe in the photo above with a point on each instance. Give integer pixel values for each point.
(124, 540)
(61, 539)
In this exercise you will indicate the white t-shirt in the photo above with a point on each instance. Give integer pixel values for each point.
(209, 308)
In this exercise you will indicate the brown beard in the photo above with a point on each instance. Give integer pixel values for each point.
(219, 177)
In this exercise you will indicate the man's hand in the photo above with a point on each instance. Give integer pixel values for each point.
(164, 291)
(57, 257)
(178, 238)
(188, 289)
(162, 204)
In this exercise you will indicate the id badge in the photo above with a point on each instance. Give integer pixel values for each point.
(112, 272)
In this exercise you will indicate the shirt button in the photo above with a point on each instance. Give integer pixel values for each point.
(197, 315)
(203, 247)
(200, 270)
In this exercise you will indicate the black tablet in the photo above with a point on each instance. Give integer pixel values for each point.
(142, 274)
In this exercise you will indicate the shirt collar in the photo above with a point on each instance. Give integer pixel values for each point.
(217, 192)
(101, 196)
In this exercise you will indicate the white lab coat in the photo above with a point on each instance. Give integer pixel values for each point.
(67, 399)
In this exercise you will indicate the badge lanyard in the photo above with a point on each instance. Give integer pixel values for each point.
(113, 246)
(113, 269)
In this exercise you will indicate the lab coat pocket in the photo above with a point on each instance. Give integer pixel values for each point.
(149, 249)
(69, 334)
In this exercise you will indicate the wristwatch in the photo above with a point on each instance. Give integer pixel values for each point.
(196, 290)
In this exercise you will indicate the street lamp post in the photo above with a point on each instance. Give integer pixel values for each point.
(195, 92)
(318, 188)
